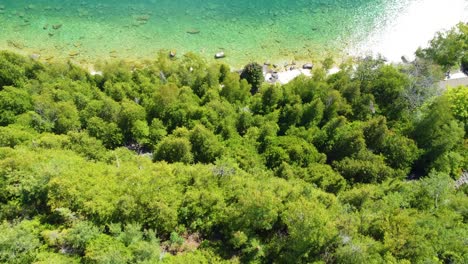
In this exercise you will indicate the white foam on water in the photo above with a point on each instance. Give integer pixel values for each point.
(411, 25)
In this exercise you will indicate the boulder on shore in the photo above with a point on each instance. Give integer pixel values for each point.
(172, 53)
(308, 66)
(220, 55)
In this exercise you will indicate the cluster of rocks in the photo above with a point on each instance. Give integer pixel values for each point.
(141, 19)
(271, 71)
(15, 44)
(218, 55)
(54, 28)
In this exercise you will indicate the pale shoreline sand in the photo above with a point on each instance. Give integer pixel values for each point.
(284, 77)
(411, 27)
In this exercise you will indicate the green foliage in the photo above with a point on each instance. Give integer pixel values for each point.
(447, 48)
(310, 230)
(464, 64)
(253, 73)
(174, 149)
(178, 161)
(387, 89)
(13, 102)
(234, 89)
(80, 235)
(19, 243)
(12, 71)
(437, 133)
(105, 249)
(205, 146)
(12, 135)
(458, 101)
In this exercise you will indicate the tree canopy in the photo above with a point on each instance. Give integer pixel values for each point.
(178, 161)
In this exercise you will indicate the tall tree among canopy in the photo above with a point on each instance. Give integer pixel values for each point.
(253, 73)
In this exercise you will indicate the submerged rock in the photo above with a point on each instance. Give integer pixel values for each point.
(193, 31)
(15, 44)
(57, 26)
(143, 18)
(74, 53)
(29, 7)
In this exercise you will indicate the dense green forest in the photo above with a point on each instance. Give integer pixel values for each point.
(178, 161)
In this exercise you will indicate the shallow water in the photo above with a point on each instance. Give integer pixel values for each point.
(246, 30)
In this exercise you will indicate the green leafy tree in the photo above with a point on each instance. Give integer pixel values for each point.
(253, 73)
(105, 249)
(437, 133)
(157, 131)
(80, 235)
(109, 133)
(11, 70)
(19, 243)
(174, 149)
(446, 48)
(206, 147)
(13, 102)
(388, 88)
(310, 230)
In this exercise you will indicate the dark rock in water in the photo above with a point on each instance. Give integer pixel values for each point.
(220, 55)
(172, 53)
(308, 66)
(15, 44)
(193, 31)
(267, 63)
(57, 26)
(45, 27)
(143, 18)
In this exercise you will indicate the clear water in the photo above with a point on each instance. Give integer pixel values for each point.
(246, 30)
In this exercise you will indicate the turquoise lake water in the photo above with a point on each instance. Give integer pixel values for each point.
(246, 30)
